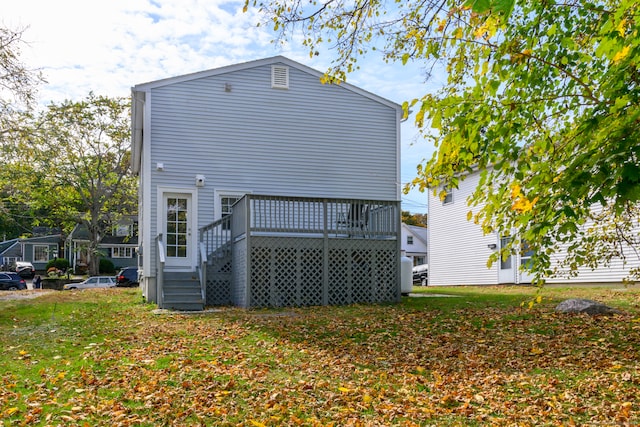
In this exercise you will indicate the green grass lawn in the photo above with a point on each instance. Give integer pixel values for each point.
(480, 357)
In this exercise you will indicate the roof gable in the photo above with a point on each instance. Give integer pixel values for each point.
(5, 246)
(143, 87)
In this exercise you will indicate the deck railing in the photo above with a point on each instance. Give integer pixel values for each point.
(335, 218)
(280, 251)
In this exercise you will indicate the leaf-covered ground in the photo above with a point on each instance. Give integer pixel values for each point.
(481, 358)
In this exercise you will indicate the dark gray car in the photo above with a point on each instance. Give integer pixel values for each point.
(127, 277)
(12, 282)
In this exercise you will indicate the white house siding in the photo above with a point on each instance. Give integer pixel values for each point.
(616, 272)
(229, 125)
(458, 250)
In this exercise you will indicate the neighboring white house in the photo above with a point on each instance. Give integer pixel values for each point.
(414, 243)
(459, 250)
(314, 167)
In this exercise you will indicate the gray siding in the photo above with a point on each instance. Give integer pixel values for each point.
(310, 140)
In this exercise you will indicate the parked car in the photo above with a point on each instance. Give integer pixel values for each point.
(24, 269)
(12, 282)
(421, 274)
(127, 277)
(93, 282)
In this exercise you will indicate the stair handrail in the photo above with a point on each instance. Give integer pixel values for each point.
(203, 270)
(160, 255)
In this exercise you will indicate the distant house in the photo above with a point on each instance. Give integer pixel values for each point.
(261, 186)
(414, 243)
(118, 246)
(459, 250)
(37, 250)
(10, 252)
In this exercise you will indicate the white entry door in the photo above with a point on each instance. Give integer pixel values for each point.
(506, 267)
(177, 225)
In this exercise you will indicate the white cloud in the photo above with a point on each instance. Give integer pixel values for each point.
(108, 46)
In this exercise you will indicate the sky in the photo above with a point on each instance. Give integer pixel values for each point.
(106, 47)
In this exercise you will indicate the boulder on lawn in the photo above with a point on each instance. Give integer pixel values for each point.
(579, 305)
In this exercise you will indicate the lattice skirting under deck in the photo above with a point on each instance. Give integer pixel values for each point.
(288, 271)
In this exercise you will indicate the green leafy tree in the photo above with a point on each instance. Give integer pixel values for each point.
(79, 152)
(541, 96)
(18, 86)
(414, 219)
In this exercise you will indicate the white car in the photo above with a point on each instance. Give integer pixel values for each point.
(93, 282)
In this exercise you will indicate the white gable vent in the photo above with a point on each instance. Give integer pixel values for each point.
(279, 77)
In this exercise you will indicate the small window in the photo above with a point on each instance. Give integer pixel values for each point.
(279, 77)
(121, 252)
(122, 230)
(448, 198)
(505, 263)
(226, 202)
(409, 240)
(40, 253)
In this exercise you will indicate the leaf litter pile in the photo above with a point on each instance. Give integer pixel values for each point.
(104, 358)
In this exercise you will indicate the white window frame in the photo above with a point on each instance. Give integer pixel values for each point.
(46, 253)
(128, 252)
(409, 240)
(448, 199)
(220, 194)
(122, 230)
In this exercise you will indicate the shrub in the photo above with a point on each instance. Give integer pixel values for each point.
(106, 266)
(58, 263)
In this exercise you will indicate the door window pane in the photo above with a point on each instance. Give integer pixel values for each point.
(177, 227)
(505, 263)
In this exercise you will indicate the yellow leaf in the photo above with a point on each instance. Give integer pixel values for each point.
(367, 398)
(622, 27)
(621, 55)
(536, 350)
(539, 299)
(515, 190)
(469, 215)
(257, 423)
(11, 411)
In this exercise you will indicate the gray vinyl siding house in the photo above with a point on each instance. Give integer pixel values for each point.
(288, 150)
(37, 250)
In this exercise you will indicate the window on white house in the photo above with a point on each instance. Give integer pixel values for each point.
(409, 240)
(448, 198)
(505, 263)
(121, 252)
(525, 255)
(40, 253)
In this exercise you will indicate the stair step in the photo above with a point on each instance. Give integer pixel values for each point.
(182, 291)
(184, 306)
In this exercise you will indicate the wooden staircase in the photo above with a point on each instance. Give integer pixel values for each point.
(182, 291)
